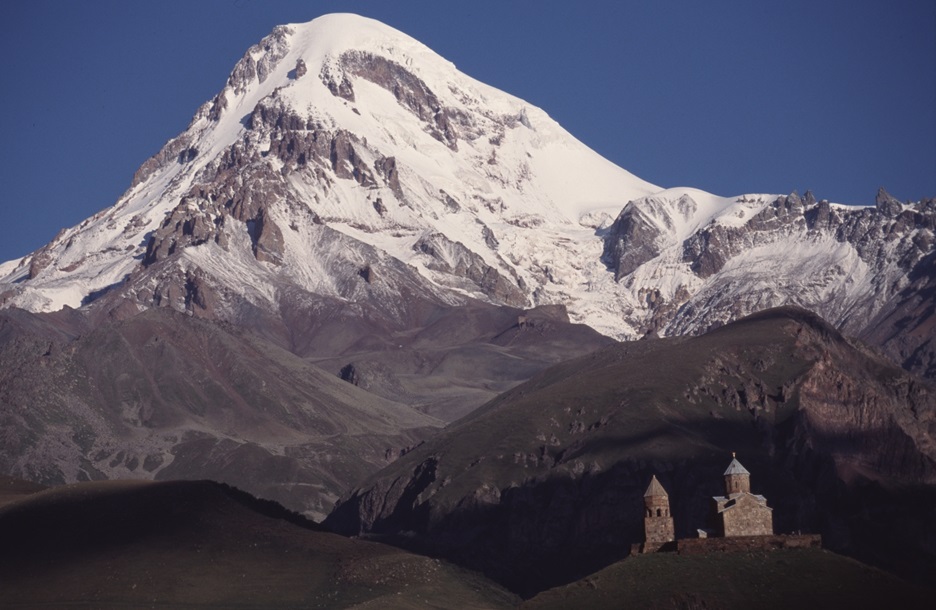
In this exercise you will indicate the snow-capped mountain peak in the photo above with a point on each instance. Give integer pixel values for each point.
(398, 145)
(344, 160)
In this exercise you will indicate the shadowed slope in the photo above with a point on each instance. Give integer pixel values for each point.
(202, 544)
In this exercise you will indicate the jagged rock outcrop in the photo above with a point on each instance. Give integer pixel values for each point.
(188, 225)
(694, 265)
(886, 204)
(260, 60)
(267, 238)
(630, 242)
(301, 68)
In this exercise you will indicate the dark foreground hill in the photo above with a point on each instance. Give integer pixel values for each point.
(778, 579)
(198, 544)
(544, 484)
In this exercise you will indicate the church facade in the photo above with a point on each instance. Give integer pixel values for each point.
(739, 512)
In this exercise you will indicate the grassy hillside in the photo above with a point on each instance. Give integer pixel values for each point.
(781, 579)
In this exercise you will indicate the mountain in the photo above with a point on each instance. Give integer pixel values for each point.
(162, 396)
(354, 244)
(198, 543)
(345, 160)
(167, 396)
(544, 484)
(291, 236)
(346, 166)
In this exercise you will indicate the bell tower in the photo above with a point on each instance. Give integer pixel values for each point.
(658, 523)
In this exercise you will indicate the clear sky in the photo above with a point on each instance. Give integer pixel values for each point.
(730, 96)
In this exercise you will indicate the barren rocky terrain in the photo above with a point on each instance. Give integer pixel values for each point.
(161, 395)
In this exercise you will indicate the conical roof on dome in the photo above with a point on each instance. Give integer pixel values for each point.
(655, 488)
(735, 467)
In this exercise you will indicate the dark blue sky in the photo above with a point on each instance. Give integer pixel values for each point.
(728, 96)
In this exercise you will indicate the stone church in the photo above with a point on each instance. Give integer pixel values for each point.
(739, 512)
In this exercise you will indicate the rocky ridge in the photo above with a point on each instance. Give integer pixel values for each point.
(695, 267)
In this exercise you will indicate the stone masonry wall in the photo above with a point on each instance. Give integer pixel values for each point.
(658, 531)
(695, 546)
(747, 518)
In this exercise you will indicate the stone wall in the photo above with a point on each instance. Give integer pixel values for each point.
(747, 517)
(658, 532)
(696, 546)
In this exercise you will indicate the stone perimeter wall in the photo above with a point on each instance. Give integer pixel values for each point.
(695, 546)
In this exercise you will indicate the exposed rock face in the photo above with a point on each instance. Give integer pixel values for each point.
(557, 467)
(454, 259)
(387, 167)
(886, 204)
(408, 89)
(267, 238)
(301, 68)
(631, 242)
(855, 266)
(202, 216)
(187, 291)
(339, 84)
(260, 60)
(184, 227)
(41, 259)
(178, 149)
(709, 249)
(906, 329)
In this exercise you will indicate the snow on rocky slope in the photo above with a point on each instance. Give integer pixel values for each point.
(345, 160)
(347, 131)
